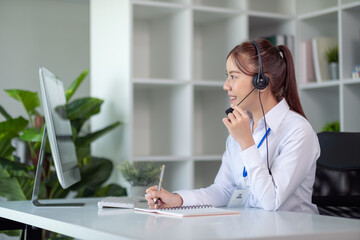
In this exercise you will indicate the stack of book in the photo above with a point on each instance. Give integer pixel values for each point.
(314, 64)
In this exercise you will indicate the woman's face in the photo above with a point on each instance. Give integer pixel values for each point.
(238, 85)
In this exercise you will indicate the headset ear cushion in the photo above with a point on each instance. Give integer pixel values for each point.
(260, 82)
(256, 81)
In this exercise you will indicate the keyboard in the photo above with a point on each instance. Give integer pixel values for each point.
(122, 202)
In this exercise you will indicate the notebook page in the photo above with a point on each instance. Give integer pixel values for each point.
(190, 211)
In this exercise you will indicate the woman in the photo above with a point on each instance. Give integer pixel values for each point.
(272, 149)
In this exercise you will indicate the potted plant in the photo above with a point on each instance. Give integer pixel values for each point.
(140, 176)
(332, 55)
(17, 179)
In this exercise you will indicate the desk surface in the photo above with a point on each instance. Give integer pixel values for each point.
(89, 222)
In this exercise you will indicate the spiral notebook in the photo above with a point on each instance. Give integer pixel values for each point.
(189, 211)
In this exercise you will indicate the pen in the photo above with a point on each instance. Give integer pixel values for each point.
(160, 180)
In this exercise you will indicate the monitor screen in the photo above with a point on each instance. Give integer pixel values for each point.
(58, 129)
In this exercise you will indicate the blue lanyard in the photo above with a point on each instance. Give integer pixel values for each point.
(258, 146)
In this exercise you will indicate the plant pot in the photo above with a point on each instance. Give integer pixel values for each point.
(333, 70)
(137, 191)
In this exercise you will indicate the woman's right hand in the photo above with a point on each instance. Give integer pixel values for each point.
(166, 200)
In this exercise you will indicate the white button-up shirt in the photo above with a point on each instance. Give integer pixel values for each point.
(293, 151)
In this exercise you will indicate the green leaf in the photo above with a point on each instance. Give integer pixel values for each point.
(30, 100)
(31, 135)
(71, 90)
(111, 190)
(5, 113)
(8, 130)
(27, 186)
(86, 140)
(6, 148)
(93, 175)
(13, 125)
(16, 169)
(5, 136)
(331, 127)
(4, 173)
(11, 189)
(83, 108)
(79, 111)
(11, 233)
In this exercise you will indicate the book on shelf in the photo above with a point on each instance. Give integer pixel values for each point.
(307, 62)
(189, 211)
(319, 47)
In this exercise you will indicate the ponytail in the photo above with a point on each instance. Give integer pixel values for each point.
(290, 92)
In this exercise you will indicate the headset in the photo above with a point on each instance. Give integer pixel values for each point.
(260, 80)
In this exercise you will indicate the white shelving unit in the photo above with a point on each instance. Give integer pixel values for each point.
(160, 67)
(333, 100)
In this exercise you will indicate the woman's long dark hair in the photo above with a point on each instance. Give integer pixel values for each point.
(279, 69)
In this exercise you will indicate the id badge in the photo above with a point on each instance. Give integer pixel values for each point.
(239, 197)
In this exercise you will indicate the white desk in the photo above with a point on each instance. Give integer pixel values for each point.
(89, 222)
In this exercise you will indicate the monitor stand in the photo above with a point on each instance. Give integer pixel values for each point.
(35, 201)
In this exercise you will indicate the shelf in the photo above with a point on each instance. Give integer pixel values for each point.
(209, 132)
(161, 120)
(223, 4)
(321, 105)
(350, 40)
(326, 84)
(205, 173)
(350, 3)
(161, 3)
(161, 42)
(211, 29)
(351, 81)
(311, 6)
(272, 6)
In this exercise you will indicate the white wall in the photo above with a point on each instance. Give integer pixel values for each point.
(34, 33)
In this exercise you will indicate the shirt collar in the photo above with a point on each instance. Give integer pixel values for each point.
(276, 115)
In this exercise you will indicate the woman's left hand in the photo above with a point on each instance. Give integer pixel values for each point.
(238, 124)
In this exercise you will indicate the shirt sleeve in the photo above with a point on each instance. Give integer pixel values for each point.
(218, 194)
(289, 168)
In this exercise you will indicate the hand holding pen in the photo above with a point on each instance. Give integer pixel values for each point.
(160, 182)
(158, 197)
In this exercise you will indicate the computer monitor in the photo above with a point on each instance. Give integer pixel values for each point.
(58, 130)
